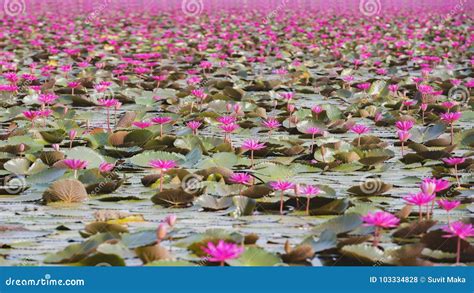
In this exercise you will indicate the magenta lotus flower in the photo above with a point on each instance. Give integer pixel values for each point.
(461, 231)
(448, 205)
(288, 96)
(420, 199)
(393, 88)
(309, 191)
(108, 103)
(31, 115)
(380, 220)
(223, 251)
(359, 129)
(105, 167)
(228, 129)
(142, 124)
(194, 126)
(403, 136)
(240, 178)
(226, 120)
(317, 109)
(47, 99)
(75, 164)
(161, 120)
(271, 124)
(163, 166)
(364, 86)
(72, 135)
(449, 105)
(407, 104)
(406, 125)
(450, 118)
(455, 162)
(281, 186)
(252, 145)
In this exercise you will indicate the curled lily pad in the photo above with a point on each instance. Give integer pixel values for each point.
(66, 190)
(209, 202)
(173, 197)
(101, 227)
(254, 256)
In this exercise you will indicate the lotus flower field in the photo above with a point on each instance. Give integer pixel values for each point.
(236, 133)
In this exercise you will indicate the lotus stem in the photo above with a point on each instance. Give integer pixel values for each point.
(458, 253)
(281, 203)
(457, 175)
(376, 237)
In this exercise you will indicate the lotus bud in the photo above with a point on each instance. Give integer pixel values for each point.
(171, 220)
(56, 147)
(161, 231)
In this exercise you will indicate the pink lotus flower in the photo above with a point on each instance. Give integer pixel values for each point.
(420, 199)
(404, 125)
(75, 164)
(199, 93)
(194, 126)
(281, 186)
(142, 124)
(31, 115)
(163, 166)
(425, 89)
(393, 88)
(161, 120)
(403, 136)
(240, 178)
(223, 251)
(228, 129)
(380, 220)
(407, 104)
(271, 124)
(108, 103)
(105, 167)
(309, 191)
(226, 119)
(450, 118)
(455, 162)
(364, 86)
(47, 99)
(448, 205)
(449, 104)
(252, 145)
(359, 129)
(317, 110)
(440, 184)
(288, 96)
(461, 231)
